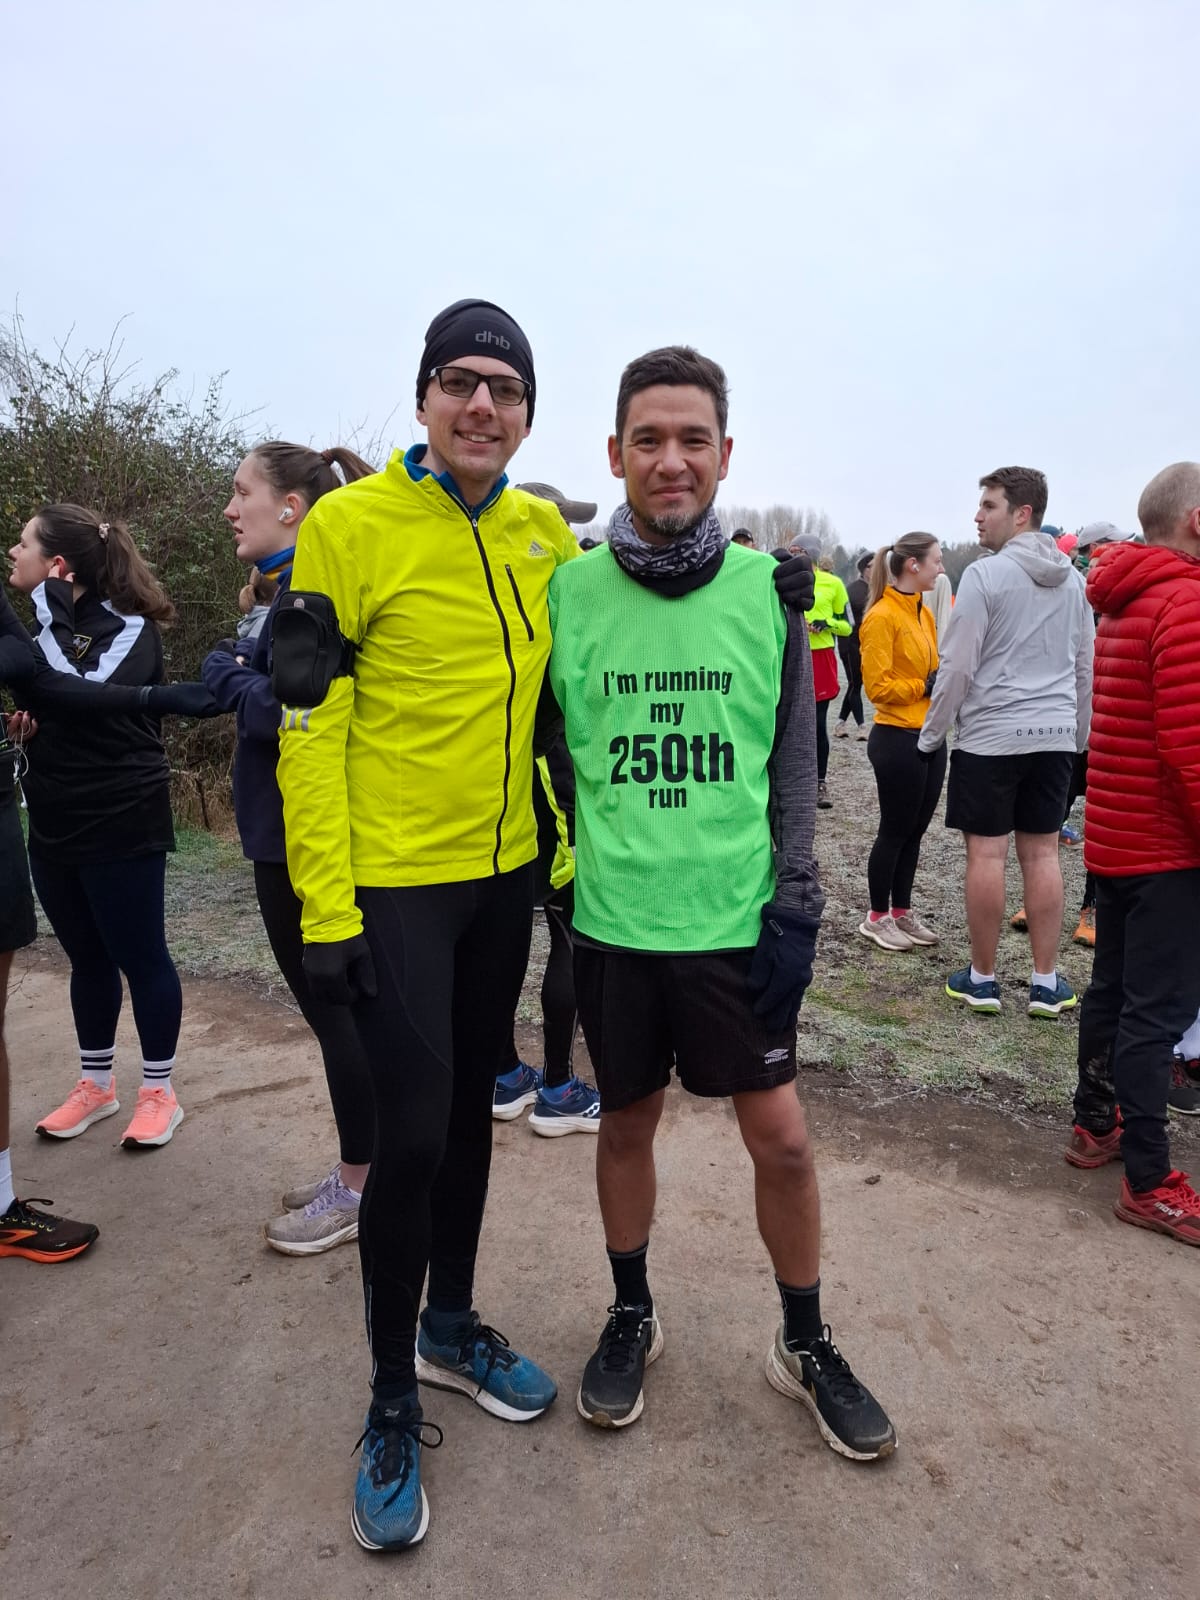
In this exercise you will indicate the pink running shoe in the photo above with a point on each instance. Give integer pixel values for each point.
(85, 1104)
(155, 1118)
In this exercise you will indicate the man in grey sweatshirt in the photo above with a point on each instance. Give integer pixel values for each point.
(1015, 681)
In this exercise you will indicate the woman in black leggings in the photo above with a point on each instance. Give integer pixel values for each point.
(273, 490)
(899, 663)
(97, 787)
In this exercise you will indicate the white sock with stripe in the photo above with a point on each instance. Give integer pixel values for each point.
(6, 1184)
(157, 1074)
(97, 1066)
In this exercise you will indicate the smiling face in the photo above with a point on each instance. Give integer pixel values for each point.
(925, 570)
(475, 439)
(671, 456)
(263, 520)
(30, 564)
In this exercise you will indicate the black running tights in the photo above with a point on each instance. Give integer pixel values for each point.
(560, 1020)
(109, 919)
(342, 1054)
(449, 962)
(822, 739)
(909, 790)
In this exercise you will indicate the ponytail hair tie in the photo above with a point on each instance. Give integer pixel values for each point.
(103, 531)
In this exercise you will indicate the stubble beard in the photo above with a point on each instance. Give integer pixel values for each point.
(673, 524)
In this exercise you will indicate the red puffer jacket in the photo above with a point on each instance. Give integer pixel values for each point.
(1143, 793)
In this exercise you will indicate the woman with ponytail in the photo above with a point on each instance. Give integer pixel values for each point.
(273, 490)
(898, 639)
(97, 784)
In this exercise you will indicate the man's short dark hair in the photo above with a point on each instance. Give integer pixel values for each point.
(864, 561)
(679, 366)
(1022, 486)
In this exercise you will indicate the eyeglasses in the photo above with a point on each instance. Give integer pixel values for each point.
(460, 383)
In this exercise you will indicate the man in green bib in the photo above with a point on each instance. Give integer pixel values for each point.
(687, 695)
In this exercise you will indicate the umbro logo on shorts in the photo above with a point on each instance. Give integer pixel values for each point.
(535, 549)
(774, 1057)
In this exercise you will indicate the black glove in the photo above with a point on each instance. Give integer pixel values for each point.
(782, 967)
(228, 647)
(179, 700)
(795, 584)
(928, 755)
(929, 683)
(342, 972)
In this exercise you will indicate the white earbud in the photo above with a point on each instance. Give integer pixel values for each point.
(286, 514)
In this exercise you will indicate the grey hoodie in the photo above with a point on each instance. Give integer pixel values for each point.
(1015, 667)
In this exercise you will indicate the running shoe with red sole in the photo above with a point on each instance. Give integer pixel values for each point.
(1172, 1208)
(1087, 1149)
(38, 1236)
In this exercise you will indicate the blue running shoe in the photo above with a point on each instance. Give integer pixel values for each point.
(390, 1509)
(514, 1091)
(483, 1366)
(983, 997)
(1045, 1002)
(573, 1107)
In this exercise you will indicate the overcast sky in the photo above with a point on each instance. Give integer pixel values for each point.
(923, 240)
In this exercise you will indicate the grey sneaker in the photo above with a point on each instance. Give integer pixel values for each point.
(911, 924)
(330, 1218)
(886, 933)
(297, 1199)
(824, 803)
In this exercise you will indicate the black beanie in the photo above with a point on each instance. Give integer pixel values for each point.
(476, 327)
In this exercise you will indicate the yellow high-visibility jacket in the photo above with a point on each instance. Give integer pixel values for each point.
(419, 768)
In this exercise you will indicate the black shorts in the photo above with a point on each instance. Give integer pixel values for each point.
(992, 795)
(18, 923)
(642, 1014)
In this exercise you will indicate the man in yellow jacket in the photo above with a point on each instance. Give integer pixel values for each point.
(409, 657)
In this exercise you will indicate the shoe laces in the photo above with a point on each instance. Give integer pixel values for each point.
(392, 1442)
(330, 1191)
(843, 1386)
(35, 1219)
(1182, 1194)
(499, 1352)
(622, 1337)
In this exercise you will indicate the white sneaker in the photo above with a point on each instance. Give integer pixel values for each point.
(886, 934)
(840, 731)
(911, 924)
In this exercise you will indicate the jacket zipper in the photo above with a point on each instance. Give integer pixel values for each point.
(512, 681)
(520, 606)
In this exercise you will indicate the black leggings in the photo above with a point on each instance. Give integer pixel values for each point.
(560, 1020)
(449, 962)
(345, 1065)
(108, 916)
(822, 739)
(851, 655)
(909, 790)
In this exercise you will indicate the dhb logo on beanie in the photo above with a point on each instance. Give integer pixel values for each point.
(476, 327)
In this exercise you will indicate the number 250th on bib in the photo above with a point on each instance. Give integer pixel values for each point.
(672, 758)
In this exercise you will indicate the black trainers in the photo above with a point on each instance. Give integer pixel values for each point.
(851, 1420)
(38, 1236)
(1183, 1097)
(610, 1395)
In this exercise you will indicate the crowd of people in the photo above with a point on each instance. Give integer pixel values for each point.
(448, 713)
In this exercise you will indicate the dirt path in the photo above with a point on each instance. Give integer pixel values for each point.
(178, 1408)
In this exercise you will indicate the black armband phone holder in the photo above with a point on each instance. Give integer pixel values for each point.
(308, 649)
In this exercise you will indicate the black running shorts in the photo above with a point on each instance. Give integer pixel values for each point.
(644, 1014)
(992, 795)
(18, 924)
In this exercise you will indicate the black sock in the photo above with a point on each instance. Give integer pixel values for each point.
(629, 1276)
(801, 1313)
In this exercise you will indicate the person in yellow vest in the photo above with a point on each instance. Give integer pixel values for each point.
(828, 620)
(898, 640)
